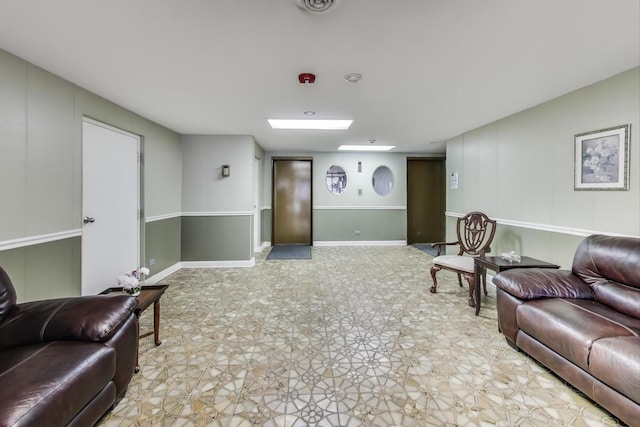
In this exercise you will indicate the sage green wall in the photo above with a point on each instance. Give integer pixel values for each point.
(520, 169)
(216, 238)
(41, 174)
(47, 270)
(160, 243)
(265, 224)
(374, 225)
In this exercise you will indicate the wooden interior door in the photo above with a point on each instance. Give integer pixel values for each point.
(291, 219)
(426, 199)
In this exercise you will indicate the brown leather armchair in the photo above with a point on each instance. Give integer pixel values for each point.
(582, 324)
(64, 361)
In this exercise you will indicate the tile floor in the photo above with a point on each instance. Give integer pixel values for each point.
(350, 338)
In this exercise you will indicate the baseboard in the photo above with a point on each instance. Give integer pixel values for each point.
(197, 264)
(162, 274)
(262, 247)
(361, 243)
(218, 264)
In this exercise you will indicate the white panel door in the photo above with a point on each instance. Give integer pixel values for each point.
(110, 205)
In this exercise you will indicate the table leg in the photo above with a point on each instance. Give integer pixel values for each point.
(156, 322)
(478, 271)
(137, 368)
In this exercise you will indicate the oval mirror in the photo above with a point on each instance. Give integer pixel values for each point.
(382, 180)
(336, 180)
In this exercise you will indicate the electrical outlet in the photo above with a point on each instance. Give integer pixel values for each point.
(357, 232)
(152, 261)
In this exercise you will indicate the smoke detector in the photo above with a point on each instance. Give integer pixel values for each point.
(353, 78)
(316, 6)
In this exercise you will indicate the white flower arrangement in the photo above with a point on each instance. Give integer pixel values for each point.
(130, 281)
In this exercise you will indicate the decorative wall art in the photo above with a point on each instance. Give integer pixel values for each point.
(602, 159)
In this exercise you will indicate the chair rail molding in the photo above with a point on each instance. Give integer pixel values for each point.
(546, 227)
(37, 240)
(162, 217)
(230, 213)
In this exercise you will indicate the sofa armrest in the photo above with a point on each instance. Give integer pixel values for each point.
(90, 318)
(534, 283)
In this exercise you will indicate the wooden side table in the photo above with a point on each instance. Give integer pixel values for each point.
(498, 264)
(148, 295)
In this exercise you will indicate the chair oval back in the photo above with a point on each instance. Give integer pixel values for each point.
(475, 233)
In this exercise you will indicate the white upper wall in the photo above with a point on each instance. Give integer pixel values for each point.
(204, 189)
(40, 152)
(521, 168)
(322, 198)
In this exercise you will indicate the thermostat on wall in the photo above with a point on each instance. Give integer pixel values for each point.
(454, 181)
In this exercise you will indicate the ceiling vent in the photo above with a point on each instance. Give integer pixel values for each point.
(316, 6)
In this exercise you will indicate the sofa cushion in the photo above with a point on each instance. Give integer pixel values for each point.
(612, 258)
(52, 382)
(534, 283)
(616, 362)
(621, 297)
(570, 326)
(88, 318)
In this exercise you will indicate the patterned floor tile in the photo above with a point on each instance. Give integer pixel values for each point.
(352, 337)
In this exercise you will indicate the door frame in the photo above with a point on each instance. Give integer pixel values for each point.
(257, 233)
(273, 194)
(140, 190)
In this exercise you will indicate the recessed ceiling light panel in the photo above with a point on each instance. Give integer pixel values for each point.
(366, 147)
(310, 124)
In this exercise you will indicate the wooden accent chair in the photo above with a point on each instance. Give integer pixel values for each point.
(475, 232)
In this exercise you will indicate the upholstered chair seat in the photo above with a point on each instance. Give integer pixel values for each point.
(457, 262)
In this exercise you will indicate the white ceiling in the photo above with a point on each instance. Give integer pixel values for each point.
(432, 69)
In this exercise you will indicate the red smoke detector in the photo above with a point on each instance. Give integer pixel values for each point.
(307, 78)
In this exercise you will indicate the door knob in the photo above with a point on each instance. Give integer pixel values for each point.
(88, 220)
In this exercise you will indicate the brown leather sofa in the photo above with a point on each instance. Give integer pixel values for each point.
(583, 324)
(64, 361)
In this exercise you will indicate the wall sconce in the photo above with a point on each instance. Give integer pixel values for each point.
(359, 166)
(226, 171)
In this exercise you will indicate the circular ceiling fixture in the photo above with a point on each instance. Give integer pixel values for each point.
(353, 78)
(316, 6)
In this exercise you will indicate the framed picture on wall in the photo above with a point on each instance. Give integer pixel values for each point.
(602, 159)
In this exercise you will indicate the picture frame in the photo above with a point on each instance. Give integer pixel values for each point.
(601, 159)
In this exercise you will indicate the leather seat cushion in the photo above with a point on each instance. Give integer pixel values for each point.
(616, 362)
(51, 382)
(456, 262)
(570, 327)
